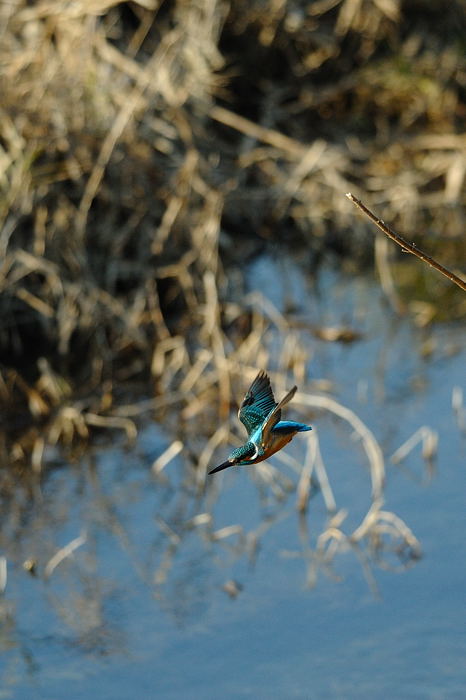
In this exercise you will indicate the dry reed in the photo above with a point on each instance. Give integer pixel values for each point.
(146, 148)
(137, 141)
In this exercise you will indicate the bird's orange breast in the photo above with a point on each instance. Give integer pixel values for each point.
(277, 442)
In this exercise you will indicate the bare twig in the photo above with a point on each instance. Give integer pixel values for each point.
(269, 136)
(429, 439)
(3, 574)
(370, 444)
(166, 457)
(63, 553)
(407, 247)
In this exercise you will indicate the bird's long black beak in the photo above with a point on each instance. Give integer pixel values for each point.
(222, 466)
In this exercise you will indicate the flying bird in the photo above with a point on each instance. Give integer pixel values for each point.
(261, 417)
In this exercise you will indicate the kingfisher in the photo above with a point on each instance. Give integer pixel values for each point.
(260, 415)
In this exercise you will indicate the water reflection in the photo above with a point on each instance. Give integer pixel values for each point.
(132, 549)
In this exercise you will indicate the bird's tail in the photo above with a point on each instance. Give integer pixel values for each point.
(290, 426)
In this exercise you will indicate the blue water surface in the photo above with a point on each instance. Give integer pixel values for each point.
(139, 609)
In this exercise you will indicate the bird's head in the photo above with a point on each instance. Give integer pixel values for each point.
(241, 455)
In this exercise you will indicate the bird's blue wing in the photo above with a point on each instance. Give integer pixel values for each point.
(274, 416)
(257, 404)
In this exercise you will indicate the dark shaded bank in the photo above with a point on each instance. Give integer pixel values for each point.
(148, 150)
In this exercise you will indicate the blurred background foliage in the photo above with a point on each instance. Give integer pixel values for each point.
(149, 149)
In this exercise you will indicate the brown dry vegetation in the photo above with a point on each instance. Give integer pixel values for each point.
(146, 146)
(146, 149)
